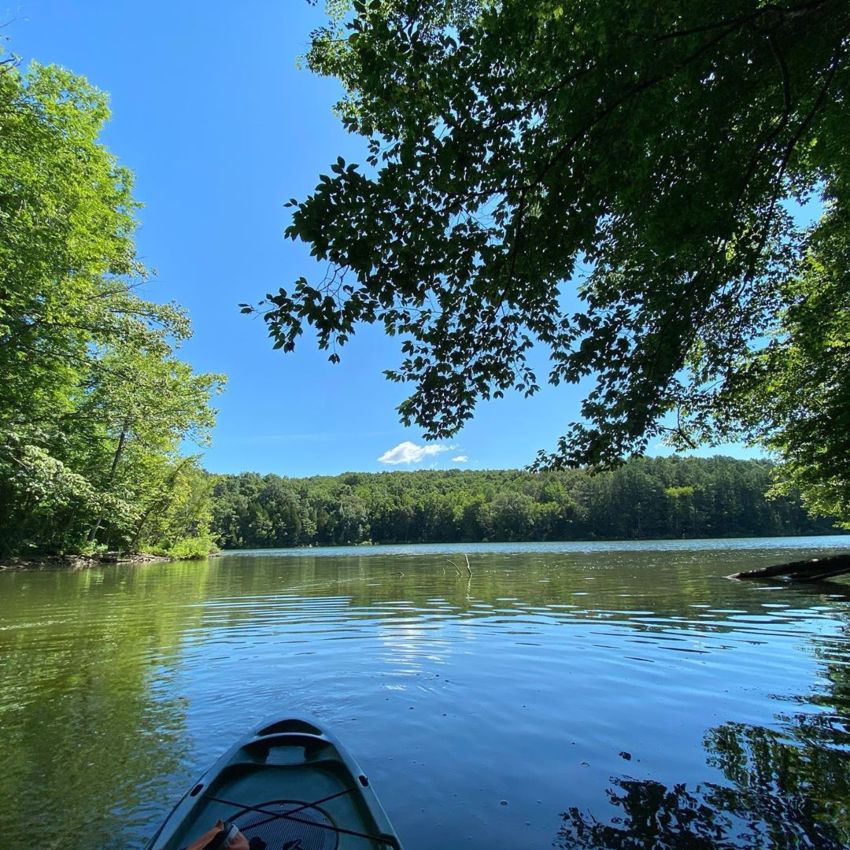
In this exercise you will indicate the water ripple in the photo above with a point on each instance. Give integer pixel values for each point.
(546, 680)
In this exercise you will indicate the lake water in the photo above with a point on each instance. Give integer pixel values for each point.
(566, 695)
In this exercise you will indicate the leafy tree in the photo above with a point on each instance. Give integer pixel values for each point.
(608, 180)
(794, 393)
(513, 516)
(347, 521)
(94, 403)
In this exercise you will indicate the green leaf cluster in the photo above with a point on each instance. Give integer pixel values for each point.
(794, 391)
(94, 402)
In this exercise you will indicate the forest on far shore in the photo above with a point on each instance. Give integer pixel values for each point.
(645, 498)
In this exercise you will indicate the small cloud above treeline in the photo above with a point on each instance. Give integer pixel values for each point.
(409, 452)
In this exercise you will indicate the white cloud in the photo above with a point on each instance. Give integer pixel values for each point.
(461, 459)
(408, 452)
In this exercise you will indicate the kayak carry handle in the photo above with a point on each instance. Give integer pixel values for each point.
(279, 742)
(289, 725)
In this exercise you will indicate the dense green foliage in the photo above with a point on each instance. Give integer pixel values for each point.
(646, 498)
(612, 182)
(94, 404)
(794, 393)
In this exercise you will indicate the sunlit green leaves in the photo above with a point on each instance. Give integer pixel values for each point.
(94, 403)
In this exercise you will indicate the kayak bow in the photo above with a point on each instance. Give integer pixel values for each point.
(288, 784)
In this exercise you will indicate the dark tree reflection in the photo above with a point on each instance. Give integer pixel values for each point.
(782, 793)
(782, 789)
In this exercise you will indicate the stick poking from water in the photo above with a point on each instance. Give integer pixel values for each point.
(459, 571)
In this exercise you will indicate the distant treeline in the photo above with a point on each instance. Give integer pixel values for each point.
(646, 498)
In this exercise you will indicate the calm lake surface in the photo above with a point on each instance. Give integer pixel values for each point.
(564, 695)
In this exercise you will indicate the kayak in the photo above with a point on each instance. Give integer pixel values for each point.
(289, 784)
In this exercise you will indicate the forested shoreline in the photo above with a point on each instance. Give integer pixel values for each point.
(97, 407)
(670, 497)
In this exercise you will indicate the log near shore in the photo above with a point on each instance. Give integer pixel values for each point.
(813, 569)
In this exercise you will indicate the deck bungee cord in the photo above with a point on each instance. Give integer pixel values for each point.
(273, 816)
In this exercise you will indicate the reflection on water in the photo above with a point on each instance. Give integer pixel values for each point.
(781, 793)
(583, 696)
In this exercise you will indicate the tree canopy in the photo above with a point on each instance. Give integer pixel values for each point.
(614, 182)
(94, 403)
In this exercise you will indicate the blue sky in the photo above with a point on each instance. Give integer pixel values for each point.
(221, 127)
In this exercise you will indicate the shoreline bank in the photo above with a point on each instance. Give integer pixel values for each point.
(80, 562)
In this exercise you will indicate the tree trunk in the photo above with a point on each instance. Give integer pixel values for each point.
(122, 440)
(170, 479)
(815, 569)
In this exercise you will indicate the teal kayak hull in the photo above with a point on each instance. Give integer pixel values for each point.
(288, 783)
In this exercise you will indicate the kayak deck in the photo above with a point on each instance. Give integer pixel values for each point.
(288, 784)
